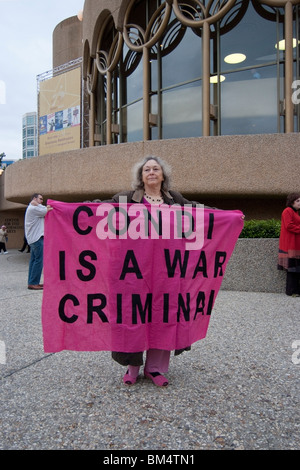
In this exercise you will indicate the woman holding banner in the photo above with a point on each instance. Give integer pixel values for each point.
(151, 186)
(175, 259)
(289, 244)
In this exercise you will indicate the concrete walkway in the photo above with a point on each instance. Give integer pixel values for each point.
(236, 389)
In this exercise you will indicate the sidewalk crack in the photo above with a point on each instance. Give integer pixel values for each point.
(15, 371)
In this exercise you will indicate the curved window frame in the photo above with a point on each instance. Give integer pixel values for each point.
(109, 101)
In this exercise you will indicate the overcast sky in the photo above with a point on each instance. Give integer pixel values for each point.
(26, 28)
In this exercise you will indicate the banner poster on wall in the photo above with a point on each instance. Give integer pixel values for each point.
(59, 113)
(129, 277)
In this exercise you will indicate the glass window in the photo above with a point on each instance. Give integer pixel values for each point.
(176, 78)
(100, 121)
(133, 122)
(254, 38)
(244, 53)
(182, 111)
(181, 55)
(115, 103)
(296, 84)
(30, 120)
(248, 102)
(132, 75)
(249, 82)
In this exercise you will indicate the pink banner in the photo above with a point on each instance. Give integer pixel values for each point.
(130, 277)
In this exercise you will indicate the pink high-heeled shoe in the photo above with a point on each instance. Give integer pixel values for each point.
(157, 378)
(128, 379)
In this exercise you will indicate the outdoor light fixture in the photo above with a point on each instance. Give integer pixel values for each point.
(215, 78)
(281, 44)
(235, 58)
(80, 15)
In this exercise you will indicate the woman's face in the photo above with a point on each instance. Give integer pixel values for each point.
(296, 204)
(152, 174)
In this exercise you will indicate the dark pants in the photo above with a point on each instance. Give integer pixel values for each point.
(292, 283)
(2, 247)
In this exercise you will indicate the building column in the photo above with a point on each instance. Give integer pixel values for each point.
(146, 93)
(108, 108)
(289, 108)
(92, 120)
(206, 79)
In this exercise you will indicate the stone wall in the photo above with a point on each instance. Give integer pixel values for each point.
(11, 215)
(251, 172)
(253, 267)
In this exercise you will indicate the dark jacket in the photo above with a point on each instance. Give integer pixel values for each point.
(170, 198)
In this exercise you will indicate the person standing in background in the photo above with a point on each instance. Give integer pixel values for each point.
(25, 244)
(289, 244)
(34, 232)
(3, 239)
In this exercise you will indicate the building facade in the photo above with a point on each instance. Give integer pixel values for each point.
(212, 87)
(171, 69)
(30, 135)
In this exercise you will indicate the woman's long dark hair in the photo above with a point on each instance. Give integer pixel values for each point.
(291, 198)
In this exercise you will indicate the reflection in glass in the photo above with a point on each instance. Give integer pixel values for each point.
(248, 102)
(254, 36)
(132, 74)
(235, 58)
(133, 122)
(182, 111)
(184, 62)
